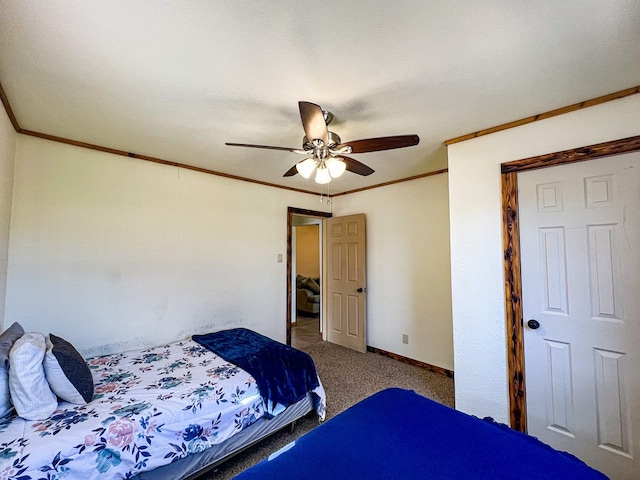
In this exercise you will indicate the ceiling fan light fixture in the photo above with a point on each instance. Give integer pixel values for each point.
(336, 167)
(305, 167)
(326, 150)
(322, 175)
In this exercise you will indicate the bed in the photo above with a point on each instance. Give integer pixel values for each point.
(399, 434)
(168, 412)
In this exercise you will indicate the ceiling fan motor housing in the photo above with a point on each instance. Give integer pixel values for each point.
(334, 140)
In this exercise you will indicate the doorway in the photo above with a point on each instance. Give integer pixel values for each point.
(307, 300)
(305, 317)
(511, 245)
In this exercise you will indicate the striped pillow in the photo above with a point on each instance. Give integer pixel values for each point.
(30, 392)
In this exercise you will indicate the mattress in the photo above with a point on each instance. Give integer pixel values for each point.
(399, 434)
(150, 408)
(192, 466)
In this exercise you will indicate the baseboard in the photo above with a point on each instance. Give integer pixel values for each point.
(411, 361)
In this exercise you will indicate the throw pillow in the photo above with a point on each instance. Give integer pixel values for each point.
(313, 286)
(30, 392)
(7, 339)
(67, 373)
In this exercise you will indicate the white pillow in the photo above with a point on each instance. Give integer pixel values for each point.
(30, 393)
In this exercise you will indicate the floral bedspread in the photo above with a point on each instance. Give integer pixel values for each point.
(150, 407)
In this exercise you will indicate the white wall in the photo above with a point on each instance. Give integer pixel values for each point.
(113, 253)
(476, 239)
(408, 276)
(7, 155)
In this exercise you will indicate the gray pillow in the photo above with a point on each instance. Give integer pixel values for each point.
(313, 286)
(7, 339)
(67, 373)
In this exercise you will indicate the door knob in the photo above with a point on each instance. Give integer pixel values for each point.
(360, 290)
(533, 324)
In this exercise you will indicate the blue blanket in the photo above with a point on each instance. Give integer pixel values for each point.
(284, 375)
(400, 434)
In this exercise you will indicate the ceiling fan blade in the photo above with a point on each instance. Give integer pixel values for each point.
(313, 122)
(355, 166)
(380, 143)
(269, 147)
(291, 172)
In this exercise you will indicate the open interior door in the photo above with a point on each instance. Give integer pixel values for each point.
(346, 281)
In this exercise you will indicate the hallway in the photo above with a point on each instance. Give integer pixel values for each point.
(305, 332)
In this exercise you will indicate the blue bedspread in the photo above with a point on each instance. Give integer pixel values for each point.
(284, 375)
(398, 434)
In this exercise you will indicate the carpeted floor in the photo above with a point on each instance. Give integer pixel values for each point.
(347, 377)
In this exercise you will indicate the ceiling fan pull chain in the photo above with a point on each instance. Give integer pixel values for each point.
(325, 195)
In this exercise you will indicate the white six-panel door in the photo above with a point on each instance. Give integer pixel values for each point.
(580, 247)
(346, 281)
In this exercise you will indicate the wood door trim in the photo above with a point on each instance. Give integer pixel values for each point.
(291, 211)
(513, 295)
(615, 147)
(512, 258)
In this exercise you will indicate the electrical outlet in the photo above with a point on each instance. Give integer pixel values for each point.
(405, 338)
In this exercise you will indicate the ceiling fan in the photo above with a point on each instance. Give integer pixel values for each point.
(325, 150)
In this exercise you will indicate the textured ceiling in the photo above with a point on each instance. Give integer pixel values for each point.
(176, 80)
